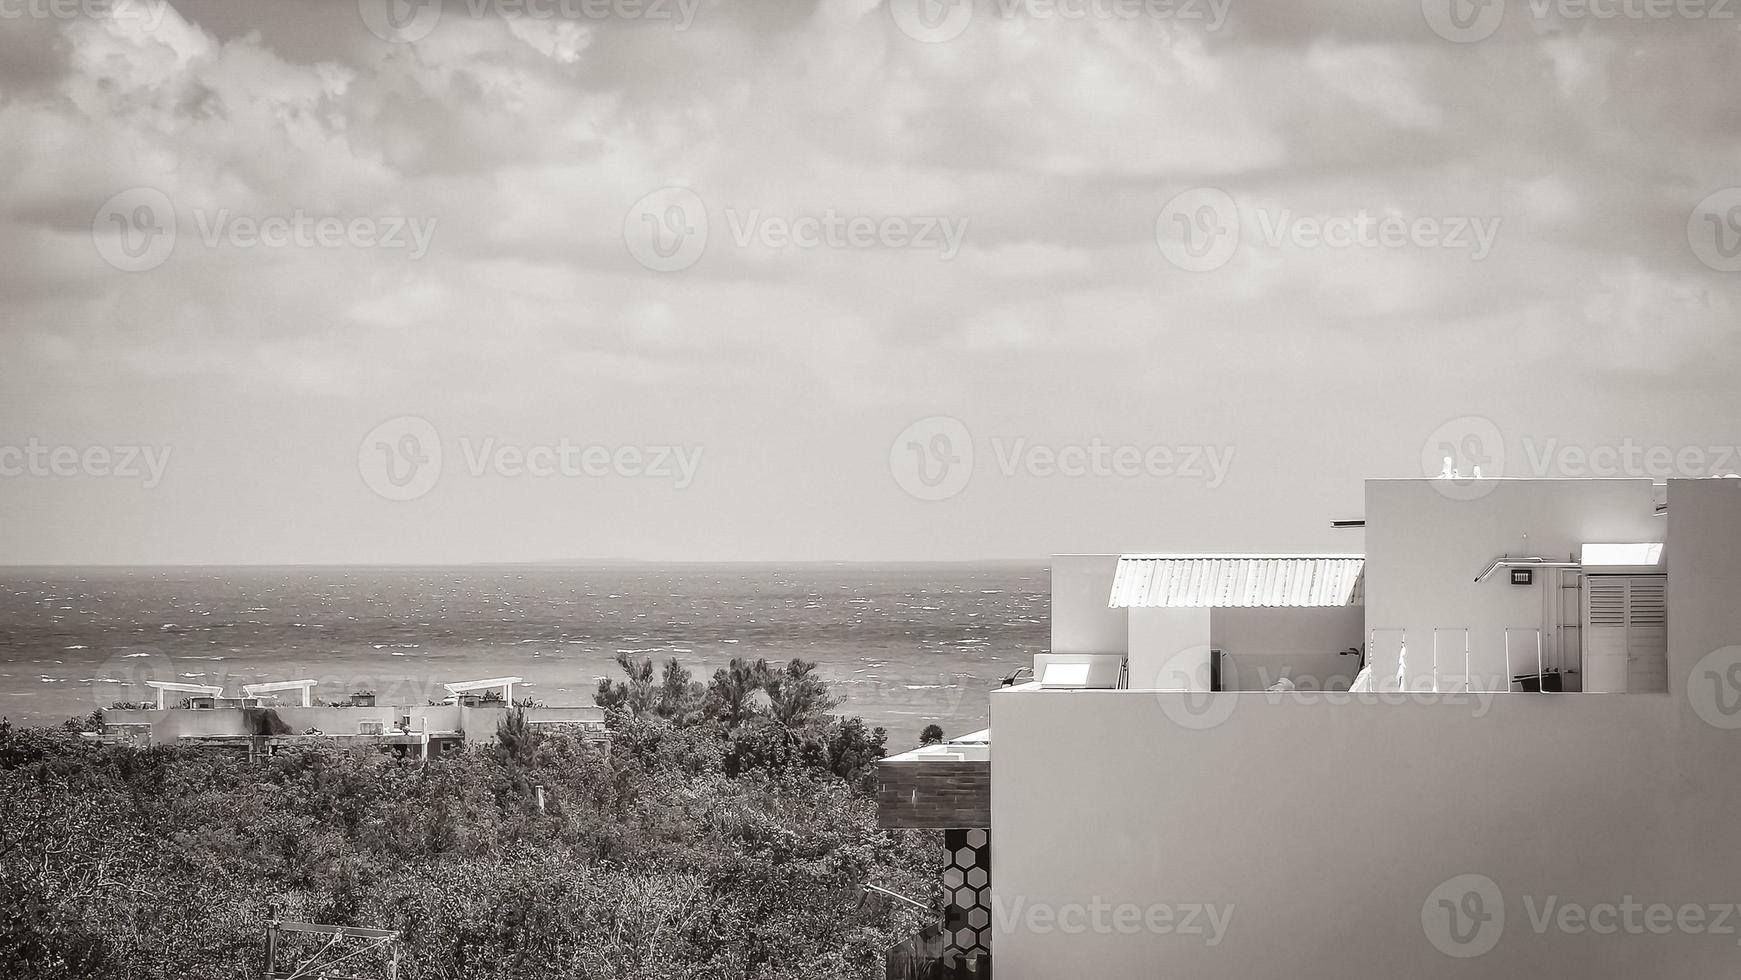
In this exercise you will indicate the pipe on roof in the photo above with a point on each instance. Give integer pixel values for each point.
(1505, 561)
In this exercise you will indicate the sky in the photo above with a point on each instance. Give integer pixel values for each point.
(287, 281)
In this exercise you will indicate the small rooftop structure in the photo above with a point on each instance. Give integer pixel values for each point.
(506, 684)
(1222, 581)
(165, 687)
(276, 687)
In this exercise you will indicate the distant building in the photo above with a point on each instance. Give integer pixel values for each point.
(257, 725)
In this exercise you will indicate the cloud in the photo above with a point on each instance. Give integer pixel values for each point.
(524, 143)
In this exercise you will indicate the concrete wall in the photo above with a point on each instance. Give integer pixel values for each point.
(1334, 826)
(1425, 545)
(1704, 602)
(1082, 622)
(1169, 648)
(1328, 827)
(1263, 645)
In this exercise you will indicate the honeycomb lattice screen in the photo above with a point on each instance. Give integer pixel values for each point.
(967, 889)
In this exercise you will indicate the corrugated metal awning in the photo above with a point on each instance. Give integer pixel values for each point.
(1207, 581)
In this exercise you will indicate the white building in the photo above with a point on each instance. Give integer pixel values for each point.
(1540, 775)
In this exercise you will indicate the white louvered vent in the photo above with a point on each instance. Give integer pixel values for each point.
(1649, 603)
(1607, 601)
(1625, 638)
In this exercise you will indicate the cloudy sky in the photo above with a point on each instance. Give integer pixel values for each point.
(311, 281)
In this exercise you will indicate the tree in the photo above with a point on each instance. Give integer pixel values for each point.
(731, 696)
(797, 697)
(932, 735)
(516, 737)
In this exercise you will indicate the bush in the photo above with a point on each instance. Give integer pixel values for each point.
(715, 839)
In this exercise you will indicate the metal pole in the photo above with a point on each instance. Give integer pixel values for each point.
(1508, 661)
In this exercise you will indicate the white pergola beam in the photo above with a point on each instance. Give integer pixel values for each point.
(275, 687)
(505, 683)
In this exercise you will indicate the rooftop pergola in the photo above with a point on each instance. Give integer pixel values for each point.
(506, 684)
(278, 687)
(165, 687)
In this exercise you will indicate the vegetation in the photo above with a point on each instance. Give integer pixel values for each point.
(724, 832)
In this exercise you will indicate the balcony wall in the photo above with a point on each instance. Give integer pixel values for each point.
(914, 792)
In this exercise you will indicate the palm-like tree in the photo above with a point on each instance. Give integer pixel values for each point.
(731, 695)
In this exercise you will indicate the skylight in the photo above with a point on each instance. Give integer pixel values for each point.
(1623, 554)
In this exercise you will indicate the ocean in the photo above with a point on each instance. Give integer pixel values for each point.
(904, 646)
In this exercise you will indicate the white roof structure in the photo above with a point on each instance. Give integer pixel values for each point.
(1222, 581)
(489, 683)
(276, 687)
